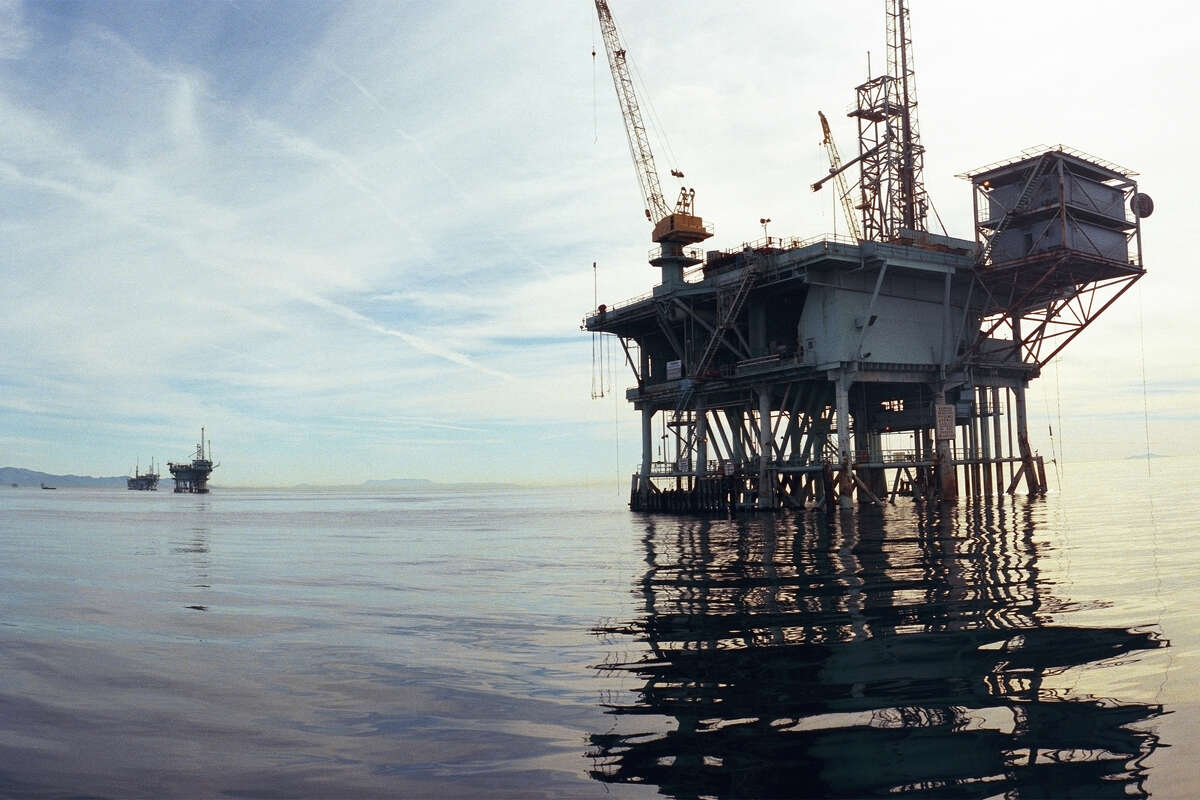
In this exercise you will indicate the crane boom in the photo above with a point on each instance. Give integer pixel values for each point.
(836, 171)
(635, 129)
(672, 228)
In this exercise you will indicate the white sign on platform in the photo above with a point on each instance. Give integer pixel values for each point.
(943, 422)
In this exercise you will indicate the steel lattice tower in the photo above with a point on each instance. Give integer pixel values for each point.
(893, 198)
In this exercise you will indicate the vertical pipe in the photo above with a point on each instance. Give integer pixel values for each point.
(946, 338)
(734, 418)
(766, 479)
(918, 456)
(701, 466)
(985, 439)
(843, 422)
(973, 430)
(647, 449)
(975, 216)
(996, 434)
(1012, 467)
(796, 439)
(964, 456)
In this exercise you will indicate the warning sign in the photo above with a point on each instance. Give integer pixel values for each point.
(943, 422)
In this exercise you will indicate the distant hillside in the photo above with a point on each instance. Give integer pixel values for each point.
(399, 483)
(29, 477)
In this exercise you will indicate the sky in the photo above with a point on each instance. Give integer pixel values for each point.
(355, 240)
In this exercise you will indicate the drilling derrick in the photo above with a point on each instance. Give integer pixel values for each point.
(893, 200)
(788, 372)
(673, 228)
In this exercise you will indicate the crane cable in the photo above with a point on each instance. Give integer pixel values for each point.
(596, 288)
(656, 125)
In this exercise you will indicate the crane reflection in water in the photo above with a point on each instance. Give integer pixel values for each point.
(877, 654)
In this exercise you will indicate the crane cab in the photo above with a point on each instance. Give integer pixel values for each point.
(680, 228)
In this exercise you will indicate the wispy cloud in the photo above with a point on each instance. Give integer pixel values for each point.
(15, 37)
(323, 234)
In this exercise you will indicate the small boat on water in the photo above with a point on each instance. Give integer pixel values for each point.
(44, 486)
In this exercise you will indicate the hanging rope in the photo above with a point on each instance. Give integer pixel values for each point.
(1158, 583)
(1145, 393)
(1049, 427)
(1059, 456)
(598, 344)
(595, 116)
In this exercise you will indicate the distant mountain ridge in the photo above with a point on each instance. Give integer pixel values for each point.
(399, 483)
(29, 477)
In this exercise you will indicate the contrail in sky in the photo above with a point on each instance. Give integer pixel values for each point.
(428, 159)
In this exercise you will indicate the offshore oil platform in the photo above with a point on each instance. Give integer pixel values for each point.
(143, 481)
(890, 362)
(192, 477)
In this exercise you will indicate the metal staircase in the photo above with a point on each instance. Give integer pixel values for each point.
(728, 316)
(1022, 199)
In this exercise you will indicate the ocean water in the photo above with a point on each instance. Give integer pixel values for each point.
(549, 643)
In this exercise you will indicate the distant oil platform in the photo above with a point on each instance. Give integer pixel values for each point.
(192, 477)
(890, 361)
(143, 481)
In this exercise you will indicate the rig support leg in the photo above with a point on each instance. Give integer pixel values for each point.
(1027, 465)
(647, 451)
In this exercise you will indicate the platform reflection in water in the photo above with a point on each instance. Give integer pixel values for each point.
(873, 654)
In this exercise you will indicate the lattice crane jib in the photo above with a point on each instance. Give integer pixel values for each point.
(836, 171)
(676, 226)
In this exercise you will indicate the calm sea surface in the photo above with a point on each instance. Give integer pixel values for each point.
(549, 643)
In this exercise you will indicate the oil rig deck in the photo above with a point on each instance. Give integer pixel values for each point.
(894, 362)
(143, 481)
(191, 477)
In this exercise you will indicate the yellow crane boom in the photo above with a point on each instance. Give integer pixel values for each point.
(680, 226)
(836, 172)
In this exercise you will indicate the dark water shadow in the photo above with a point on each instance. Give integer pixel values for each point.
(879, 653)
(195, 548)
